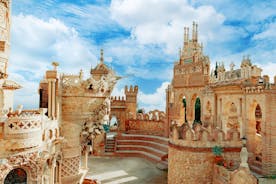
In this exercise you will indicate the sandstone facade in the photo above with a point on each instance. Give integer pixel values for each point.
(238, 100)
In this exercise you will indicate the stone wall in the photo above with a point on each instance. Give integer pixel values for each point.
(190, 151)
(148, 127)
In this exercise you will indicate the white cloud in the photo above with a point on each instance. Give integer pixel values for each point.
(35, 44)
(269, 33)
(162, 23)
(156, 100)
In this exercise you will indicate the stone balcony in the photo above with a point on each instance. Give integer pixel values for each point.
(27, 129)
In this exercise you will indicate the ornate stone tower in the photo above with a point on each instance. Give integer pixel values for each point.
(4, 36)
(190, 76)
(131, 101)
(6, 86)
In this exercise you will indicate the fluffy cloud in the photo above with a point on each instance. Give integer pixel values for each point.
(162, 23)
(35, 44)
(268, 33)
(156, 100)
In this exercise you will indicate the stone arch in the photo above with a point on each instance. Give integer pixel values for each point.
(16, 175)
(50, 134)
(197, 110)
(114, 120)
(181, 107)
(254, 136)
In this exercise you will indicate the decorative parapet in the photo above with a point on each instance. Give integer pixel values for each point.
(199, 137)
(27, 129)
(254, 89)
(73, 85)
(24, 122)
(117, 98)
(151, 116)
(151, 123)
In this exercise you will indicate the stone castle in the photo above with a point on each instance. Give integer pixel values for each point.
(207, 114)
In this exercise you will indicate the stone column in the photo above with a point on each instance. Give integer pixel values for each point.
(53, 103)
(49, 98)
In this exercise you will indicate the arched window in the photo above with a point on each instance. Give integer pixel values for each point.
(17, 175)
(185, 108)
(258, 117)
(197, 111)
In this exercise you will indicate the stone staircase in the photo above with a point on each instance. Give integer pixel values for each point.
(110, 145)
(153, 148)
(256, 167)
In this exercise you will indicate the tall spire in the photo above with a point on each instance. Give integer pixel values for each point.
(193, 31)
(196, 32)
(102, 56)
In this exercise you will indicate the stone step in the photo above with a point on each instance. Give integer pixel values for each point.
(109, 144)
(154, 145)
(142, 148)
(156, 139)
(140, 154)
(255, 169)
(257, 164)
(162, 166)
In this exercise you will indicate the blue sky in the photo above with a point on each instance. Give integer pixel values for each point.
(140, 39)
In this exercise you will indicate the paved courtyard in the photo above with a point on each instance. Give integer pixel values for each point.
(115, 170)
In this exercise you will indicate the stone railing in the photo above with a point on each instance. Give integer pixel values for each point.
(27, 129)
(24, 122)
(203, 137)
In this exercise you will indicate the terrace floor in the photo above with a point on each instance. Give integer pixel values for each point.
(127, 170)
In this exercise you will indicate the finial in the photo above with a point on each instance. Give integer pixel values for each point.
(232, 65)
(179, 52)
(102, 56)
(55, 65)
(81, 74)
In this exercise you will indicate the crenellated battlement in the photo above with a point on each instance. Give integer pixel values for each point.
(131, 90)
(117, 98)
(199, 136)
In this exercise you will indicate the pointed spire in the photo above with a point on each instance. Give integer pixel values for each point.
(193, 31)
(102, 56)
(216, 70)
(196, 32)
(185, 33)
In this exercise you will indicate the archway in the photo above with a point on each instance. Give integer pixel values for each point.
(197, 111)
(113, 121)
(258, 136)
(184, 101)
(17, 175)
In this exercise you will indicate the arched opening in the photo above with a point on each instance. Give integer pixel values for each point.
(50, 134)
(197, 111)
(258, 117)
(114, 123)
(258, 136)
(57, 172)
(184, 101)
(17, 175)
